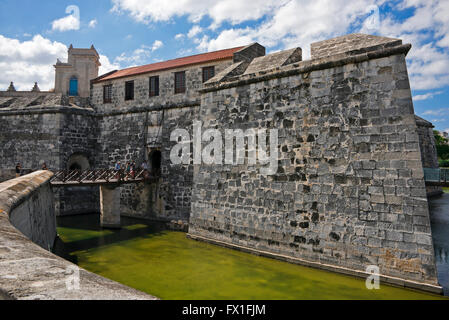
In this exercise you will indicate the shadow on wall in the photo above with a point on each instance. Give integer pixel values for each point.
(77, 200)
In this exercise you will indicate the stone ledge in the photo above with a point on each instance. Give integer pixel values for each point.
(28, 272)
(397, 282)
(15, 192)
(47, 110)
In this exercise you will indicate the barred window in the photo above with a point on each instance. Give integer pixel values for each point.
(107, 94)
(208, 73)
(129, 90)
(154, 86)
(180, 82)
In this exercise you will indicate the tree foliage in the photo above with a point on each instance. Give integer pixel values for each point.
(439, 139)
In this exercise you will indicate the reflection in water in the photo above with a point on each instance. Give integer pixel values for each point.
(170, 266)
(439, 214)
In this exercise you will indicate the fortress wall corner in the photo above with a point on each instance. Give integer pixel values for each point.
(349, 191)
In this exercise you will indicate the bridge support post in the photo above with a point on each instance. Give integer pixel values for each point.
(110, 207)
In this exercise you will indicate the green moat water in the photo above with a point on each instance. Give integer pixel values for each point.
(170, 266)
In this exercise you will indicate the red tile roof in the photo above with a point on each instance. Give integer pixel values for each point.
(171, 64)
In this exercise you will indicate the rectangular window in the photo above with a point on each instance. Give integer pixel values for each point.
(154, 86)
(129, 90)
(107, 94)
(180, 82)
(208, 73)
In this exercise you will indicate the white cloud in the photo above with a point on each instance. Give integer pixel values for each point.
(438, 120)
(426, 96)
(438, 112)
(157, 45)
(93, 23)
(233, 11)
(139, 56)
(29, 61)
(194, 31)
(428, 31)
(70, 22)
(296, 23)
(179, 36)
(446, 130)
(227, 39)
(66, 24)
(107, 66)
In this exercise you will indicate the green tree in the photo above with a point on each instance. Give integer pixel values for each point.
(439, 139)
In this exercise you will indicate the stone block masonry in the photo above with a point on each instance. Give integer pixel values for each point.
(349, 191)
(50, 133)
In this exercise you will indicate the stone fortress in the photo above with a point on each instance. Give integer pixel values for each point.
(349, 191)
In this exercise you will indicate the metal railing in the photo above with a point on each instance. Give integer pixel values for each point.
(436, 175)
(98, 176)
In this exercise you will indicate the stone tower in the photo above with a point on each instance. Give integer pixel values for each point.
(73, 78)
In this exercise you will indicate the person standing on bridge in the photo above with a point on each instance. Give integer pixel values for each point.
(144, 167)
(18, 170)
(128, 170)
(117, 169)
(133, 169)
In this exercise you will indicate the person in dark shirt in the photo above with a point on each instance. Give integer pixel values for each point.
(18, 170)
(44, 166)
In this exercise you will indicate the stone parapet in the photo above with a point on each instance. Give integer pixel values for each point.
(308, 66)
(29, 272)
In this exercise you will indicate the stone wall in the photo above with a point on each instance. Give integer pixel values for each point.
(132, 137)
(429, 153)
(131, 130)
(32, 135)
(349, 191)
(28, 200)
(167, 96)
(29, 272)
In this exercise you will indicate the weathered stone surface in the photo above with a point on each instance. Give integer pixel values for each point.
(275, 60)
(27, 271)
(110, 207)
(350, 43)
(345, 143)
(428, 150)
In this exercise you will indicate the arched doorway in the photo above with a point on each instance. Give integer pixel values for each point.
(78, 161)
(73, 87)
(155, 158)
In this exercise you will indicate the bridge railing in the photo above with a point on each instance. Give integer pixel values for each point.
(436, 175)
(98, 176)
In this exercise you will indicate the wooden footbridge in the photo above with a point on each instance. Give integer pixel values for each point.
(105, 177)
(436, 177)
(109, 183)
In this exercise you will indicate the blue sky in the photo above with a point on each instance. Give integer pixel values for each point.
(33, 34)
